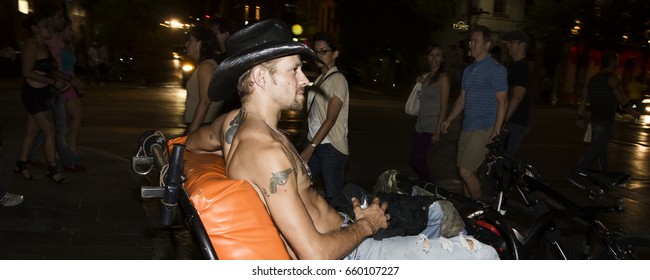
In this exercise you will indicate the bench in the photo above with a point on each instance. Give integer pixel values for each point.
(235, 218)
(226, 217)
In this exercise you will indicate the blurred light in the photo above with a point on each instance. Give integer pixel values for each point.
(188, 67)
(296, 29)
(625, 37)
(644, 119)
(577, 27)
(176, 55)
(23, 6)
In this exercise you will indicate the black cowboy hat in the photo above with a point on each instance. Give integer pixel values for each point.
(250, 46)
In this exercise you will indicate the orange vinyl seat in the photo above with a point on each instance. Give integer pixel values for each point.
(234, 216)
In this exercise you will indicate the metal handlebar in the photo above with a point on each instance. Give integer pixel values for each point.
(172, 183)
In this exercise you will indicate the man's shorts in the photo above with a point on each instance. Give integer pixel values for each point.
(471, 148)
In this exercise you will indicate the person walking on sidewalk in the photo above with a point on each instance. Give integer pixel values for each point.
(520, 99)
(65, 105)
(484, 101)
(434, 97)
(38, 88)
(603, 92)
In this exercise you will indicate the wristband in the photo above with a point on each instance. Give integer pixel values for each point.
(313, 145)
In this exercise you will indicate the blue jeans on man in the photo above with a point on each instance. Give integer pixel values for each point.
(329, 164)
(428, 245)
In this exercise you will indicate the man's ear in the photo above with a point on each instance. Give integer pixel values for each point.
(335, 54)
(258, 74)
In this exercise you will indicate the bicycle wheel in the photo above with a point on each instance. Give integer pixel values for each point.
(634, 247)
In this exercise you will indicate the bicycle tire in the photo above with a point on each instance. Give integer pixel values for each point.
(638, 247)
(521, 218)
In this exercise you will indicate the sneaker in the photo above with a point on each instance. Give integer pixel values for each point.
(10, 199)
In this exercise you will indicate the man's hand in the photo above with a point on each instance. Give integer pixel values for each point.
(444, 126)
(374, 216)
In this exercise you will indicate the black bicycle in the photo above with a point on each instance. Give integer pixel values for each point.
(546, 223)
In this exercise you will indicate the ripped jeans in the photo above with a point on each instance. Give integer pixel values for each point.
(428, 245)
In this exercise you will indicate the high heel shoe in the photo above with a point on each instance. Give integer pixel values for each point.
(21, 169)
(53, 171)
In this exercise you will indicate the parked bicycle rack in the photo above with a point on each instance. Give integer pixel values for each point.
(153, 149)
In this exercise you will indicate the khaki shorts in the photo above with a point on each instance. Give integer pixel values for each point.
(471, 148)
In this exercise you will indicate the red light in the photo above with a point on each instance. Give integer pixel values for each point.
(207, 16)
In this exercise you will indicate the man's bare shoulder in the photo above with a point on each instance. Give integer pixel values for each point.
(258, 152)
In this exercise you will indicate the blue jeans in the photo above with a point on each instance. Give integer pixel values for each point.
(327, 162)
(517, 135)
(66, 158)
(428, 245)
(422, 248)
(599, 149)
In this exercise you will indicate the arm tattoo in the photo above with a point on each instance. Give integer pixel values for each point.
(279, 178)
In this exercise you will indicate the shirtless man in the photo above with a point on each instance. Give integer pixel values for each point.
(265, 69)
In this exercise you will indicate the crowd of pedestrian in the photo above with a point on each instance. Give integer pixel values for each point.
(50, 94)
(492, 98)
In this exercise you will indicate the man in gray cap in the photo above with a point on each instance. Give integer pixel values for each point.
(264, 67)
(520, 95)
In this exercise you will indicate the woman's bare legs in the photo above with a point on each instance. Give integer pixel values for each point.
(40, 121)
(74, 111)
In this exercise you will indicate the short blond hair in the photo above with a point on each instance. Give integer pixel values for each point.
(245, 85)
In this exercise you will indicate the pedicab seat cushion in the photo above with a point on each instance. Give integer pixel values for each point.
(232, 213)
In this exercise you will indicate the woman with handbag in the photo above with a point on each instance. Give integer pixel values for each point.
(433, 96)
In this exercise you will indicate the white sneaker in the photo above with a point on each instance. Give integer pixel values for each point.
(11, 199)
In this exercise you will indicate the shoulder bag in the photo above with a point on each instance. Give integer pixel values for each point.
(412, 106)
